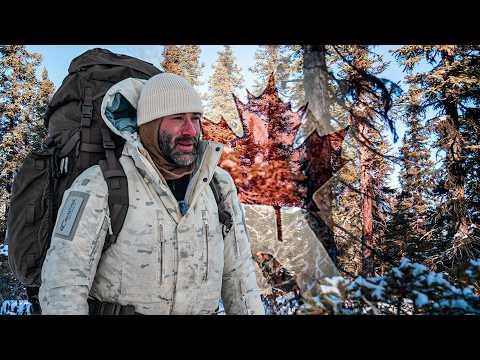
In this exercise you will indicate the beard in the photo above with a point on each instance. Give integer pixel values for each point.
(183, 158)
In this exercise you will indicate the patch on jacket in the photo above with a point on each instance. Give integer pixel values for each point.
(70, 215)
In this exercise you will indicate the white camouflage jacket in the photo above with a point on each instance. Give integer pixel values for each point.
(162, 262)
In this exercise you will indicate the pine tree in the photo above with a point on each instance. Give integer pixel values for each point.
(266, 64)
(346, 212)
(23, 100)
(44, 92)
(183, 60)
(225, 80)
(450, 89)
(383, 199)
(276, 60)
(293, 88)
(409, 228)
(367, 100)
(172, 59)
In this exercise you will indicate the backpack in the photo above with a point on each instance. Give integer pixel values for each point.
(77, 139)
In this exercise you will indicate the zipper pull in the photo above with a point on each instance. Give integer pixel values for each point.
(183, 207)
(110, 231)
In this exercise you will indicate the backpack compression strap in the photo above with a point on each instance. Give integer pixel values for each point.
(225, 216)
(117, 188)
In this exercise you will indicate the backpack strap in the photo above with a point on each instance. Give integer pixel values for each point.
(32, 295)
(117, 184)
(225, 216)
(86, 108)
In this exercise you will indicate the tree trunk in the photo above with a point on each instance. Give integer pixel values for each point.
(315, 82)
(367, 204)
(316, 95)
(456, 176)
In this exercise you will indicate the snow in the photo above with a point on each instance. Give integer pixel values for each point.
(333, 285)
(404, 262)
(421, 299)
(437, 279)
(475, 262)
(377, 290)
(397, 272)
(15, 307)
(329, 289)
(418, 269)
(221, 309)
(460, 304)
(4, 250)
(335, 281)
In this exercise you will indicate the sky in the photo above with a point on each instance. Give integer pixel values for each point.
(56, 59)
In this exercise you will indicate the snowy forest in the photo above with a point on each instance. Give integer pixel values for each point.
(317, 140)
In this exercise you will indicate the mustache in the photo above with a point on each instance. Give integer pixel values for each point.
(187, 139)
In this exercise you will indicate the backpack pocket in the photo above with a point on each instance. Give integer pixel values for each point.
(30, 217)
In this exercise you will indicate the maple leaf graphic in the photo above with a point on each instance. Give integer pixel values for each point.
(269, 164)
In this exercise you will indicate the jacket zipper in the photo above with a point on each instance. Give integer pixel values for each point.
(175, 272)
(160, 255)
(205, 224)
(237, 251)
(243, 296)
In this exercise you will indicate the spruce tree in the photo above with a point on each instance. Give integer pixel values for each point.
(276, 60)
(409, 228)
(450, 89)
(44, 92)
(225, 80)
(172, 59)
(367, 100)
(23, 100)
(183, 60)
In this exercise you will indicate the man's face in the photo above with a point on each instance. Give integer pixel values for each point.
(178, 137)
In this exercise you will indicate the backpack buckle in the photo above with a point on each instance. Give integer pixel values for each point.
(108, 144)
(86, 110)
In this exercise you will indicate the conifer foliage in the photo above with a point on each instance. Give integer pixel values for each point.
(224, 82)
(23, 101)
(450, 89)
(183, 60)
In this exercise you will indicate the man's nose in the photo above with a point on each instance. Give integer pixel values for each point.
(189, 128)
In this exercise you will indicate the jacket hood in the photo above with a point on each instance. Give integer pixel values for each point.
(119, 108)
(119, 112)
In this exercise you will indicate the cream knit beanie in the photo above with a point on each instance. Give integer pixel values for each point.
(167, 94)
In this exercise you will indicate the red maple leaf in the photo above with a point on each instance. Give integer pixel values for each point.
(264, 165)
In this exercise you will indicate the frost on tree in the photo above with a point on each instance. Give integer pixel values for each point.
(277, 196)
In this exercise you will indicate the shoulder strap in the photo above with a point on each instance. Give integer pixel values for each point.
(117, 188)
(225, 216)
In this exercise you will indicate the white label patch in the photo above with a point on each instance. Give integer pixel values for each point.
(70, 214)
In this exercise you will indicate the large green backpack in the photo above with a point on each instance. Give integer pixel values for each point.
(77, 139)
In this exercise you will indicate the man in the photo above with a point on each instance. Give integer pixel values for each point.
(173, 255)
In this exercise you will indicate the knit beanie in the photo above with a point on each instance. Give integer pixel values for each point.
(167, 94)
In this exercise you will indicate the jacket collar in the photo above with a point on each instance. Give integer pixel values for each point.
(209, 154)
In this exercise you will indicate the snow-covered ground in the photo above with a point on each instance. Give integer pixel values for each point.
(15, 307)
(4, 250)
